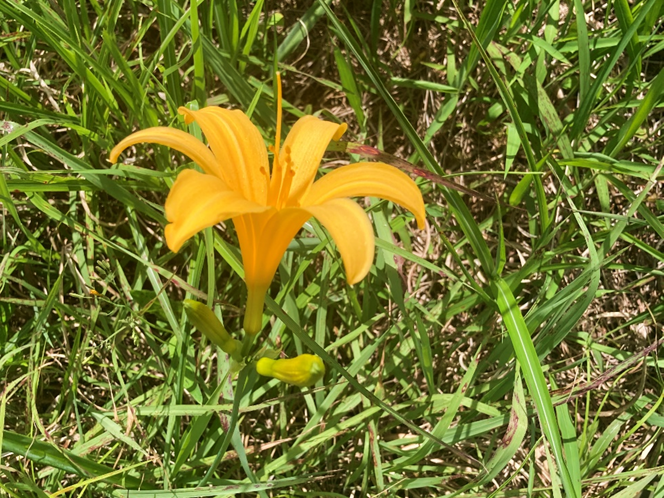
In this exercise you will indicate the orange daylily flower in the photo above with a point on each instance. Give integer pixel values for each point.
(267, 207)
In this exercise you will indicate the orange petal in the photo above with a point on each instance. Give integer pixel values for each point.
(351, 230)
(197, 201)
(264, 238)
(175, 139)
(370, 180)
(239, 148)
(307, 141)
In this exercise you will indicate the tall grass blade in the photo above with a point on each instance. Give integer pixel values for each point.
(532, 372)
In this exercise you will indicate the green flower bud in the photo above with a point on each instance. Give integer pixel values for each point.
(204, 319)
(302, 371)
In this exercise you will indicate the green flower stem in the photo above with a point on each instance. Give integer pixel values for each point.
(247, 342)
(253, 315)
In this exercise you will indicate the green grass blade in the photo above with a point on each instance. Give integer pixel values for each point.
(300, 30)
(199, 57)
(167, 13)
(625, 20)
(48, 454)
(570, 444)
(104, 184)
(583, 50)
(445, 421)
(511, 441)
(582, 114)
(349, 86)
(490, 20)
(250, 30)
(629, 129)
(636, 489)
(534, 377)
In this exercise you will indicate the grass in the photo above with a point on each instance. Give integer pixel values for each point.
(510, 349)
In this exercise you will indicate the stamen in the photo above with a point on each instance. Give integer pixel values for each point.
(275, 181)
(285, 188)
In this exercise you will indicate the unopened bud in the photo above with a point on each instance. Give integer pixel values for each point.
(302, 371)
(204, 319)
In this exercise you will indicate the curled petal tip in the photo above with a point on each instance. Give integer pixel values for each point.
(187, 113)
(173, 243)
(421, 222)
(340, 131)
(359, 276)
(115, 153)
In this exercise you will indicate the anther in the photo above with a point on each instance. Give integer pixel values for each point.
(287, 156)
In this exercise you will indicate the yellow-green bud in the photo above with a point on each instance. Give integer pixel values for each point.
(204, 319)
(302, 371)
